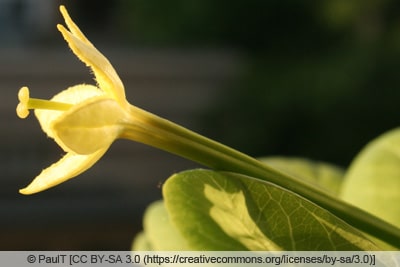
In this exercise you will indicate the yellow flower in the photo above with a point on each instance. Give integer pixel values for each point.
(84, 119)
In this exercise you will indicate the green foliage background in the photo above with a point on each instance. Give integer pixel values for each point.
(316, 72)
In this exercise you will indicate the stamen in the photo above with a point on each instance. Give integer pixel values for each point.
(26, 103)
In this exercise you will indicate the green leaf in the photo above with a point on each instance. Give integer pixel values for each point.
(325, 175)
(227, 211)
(373, 179)
(158, 232)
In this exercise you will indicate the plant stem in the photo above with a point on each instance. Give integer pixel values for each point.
(155, 131)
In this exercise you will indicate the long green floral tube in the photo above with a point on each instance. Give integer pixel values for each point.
(86, 119)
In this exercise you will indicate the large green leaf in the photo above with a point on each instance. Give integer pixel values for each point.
(227, 211)
(373, 179)
(324, 175)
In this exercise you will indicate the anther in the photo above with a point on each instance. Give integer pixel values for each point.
(23, 97)
(26, 103)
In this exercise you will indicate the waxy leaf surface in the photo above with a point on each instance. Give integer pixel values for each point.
(227, 211)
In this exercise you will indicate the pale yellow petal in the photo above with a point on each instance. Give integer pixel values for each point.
(72, 26)
(72, 95)
(106, 77)
(68, 167)
(90, 125)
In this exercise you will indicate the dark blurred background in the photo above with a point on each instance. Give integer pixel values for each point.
(316, 79)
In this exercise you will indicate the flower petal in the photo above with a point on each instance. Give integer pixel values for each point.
(72, 95)
(106, 77)
(89, 126)
(68, 167)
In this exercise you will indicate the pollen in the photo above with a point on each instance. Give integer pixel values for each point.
(26, 103)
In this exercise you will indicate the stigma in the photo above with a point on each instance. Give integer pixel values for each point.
(26, 103)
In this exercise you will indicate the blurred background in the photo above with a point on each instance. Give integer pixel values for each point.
(316, 79)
